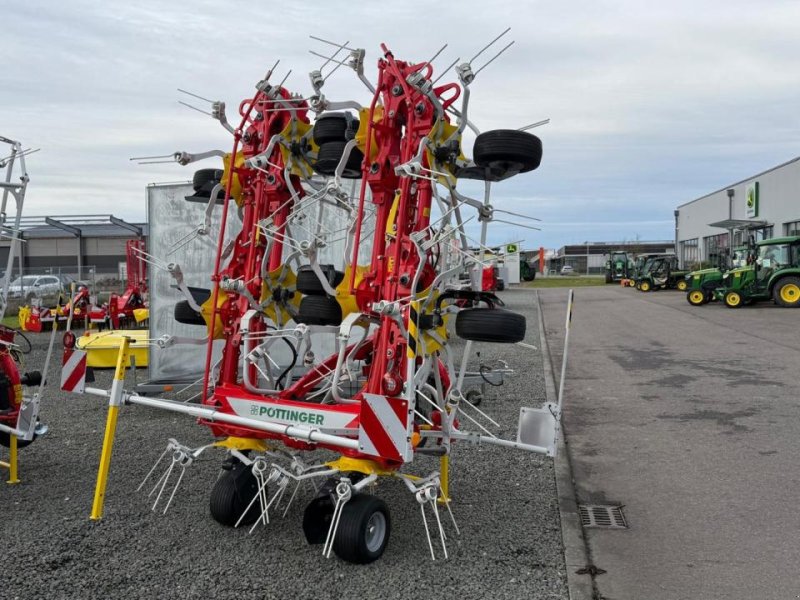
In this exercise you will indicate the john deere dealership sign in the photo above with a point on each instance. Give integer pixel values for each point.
(751, 200)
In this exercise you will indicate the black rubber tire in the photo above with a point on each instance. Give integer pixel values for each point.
(329, 156)
(333, 127)
(490, 325)
(309, 283)
(609, 279)
(231, 494)
(206, 176)
(350, 543)
(319, 310)
(5, 440)
(317, 519)
(703, 297)
(508, 150)
(776, 292)
(187, 315)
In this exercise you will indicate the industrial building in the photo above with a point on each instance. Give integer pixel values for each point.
(590, 257)
(85, 247)
(767, 204)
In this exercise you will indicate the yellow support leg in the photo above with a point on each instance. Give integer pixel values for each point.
(444, 478)
(12, 461)
(111, 427)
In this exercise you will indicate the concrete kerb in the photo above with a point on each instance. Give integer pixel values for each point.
(576, 556)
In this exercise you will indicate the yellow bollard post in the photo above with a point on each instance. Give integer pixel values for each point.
(444, 478)
(12, 460)
(114, 403)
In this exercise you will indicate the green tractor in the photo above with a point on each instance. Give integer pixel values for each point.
(775, 275)
(702, 283)
(618, 266)
(640, 267)
(662, 272)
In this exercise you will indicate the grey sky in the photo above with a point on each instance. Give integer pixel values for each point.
(651, 104)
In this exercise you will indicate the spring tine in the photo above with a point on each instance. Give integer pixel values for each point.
(441, 529)
(319, 39)
(435, 56)
(163, 454)
(164, 485)
(486, 47)
(517, 224)
(533, 125)
(269, 73)
(160, 480)
(491, 60)
(205, 112)
(175, 489)
(508, 212)
(195, 96)
(427, 531)
(447, 504)
(257, 495)
(480, 412)
(291, 499)
(326, 57)
(152, 157)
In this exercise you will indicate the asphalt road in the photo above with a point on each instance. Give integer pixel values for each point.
(504, 501)
(690, 418)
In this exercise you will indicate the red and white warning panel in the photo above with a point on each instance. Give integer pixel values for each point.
(384, 428)
(73, 371)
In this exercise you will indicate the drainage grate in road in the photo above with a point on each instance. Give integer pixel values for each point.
(602, 516)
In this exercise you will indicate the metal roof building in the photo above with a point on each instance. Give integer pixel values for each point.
(767, 204)
(77, 245)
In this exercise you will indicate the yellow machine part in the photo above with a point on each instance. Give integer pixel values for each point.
(361, 134)
(24, 314)
(206, 309)
(430, 344)
(141, 314)
(236, 192)
(440, 132)
(284, 277)
(102, 348)
(358, 465)
(343, 296)
(240, 443)
(391, 222)
(294, 132)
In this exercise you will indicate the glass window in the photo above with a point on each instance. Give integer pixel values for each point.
(791, 228)
(689, 252)
(774, 256)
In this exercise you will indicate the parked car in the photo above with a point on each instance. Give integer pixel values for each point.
(567, 270)
(34, 286)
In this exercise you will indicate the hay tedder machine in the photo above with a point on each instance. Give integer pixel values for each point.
(122, 311)
(378, 183)
(19, 412)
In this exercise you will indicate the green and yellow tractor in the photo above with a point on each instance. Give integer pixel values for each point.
(618, 266)
(774, 275)
(702, 283)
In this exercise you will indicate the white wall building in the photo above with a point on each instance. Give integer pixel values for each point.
(769, 203)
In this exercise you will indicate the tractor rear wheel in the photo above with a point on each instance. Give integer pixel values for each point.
(787, 292)
(490, 325)
(696, 298)
(733, 299)
(364, 528)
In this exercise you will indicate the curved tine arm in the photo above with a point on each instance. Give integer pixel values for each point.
(345, 330)
(469, 123)
(218, 113)
(174, 269)
(343, 105)
(165, 341)
(312, 258)
(212, 202)
(348, 149)
(357, 64)
(259, 161)
(458, 197)
(184, 158)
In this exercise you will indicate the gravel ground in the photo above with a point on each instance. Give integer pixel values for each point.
(504, 501)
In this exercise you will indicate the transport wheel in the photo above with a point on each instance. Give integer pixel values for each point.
(187, 315)
(206, 176)
(231, 494)
(319, 310)
(317, 519)
(329, 156)
(787, 292)
(644, 286)
(474, 397)
(696, 298)
(508, 150)
(682, 285)
(732, 299)
(5, 440)
(363, 530)
(490, 325)
(334, 127)
(309, 283)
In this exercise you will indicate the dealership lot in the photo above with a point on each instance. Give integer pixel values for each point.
(689, 418)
